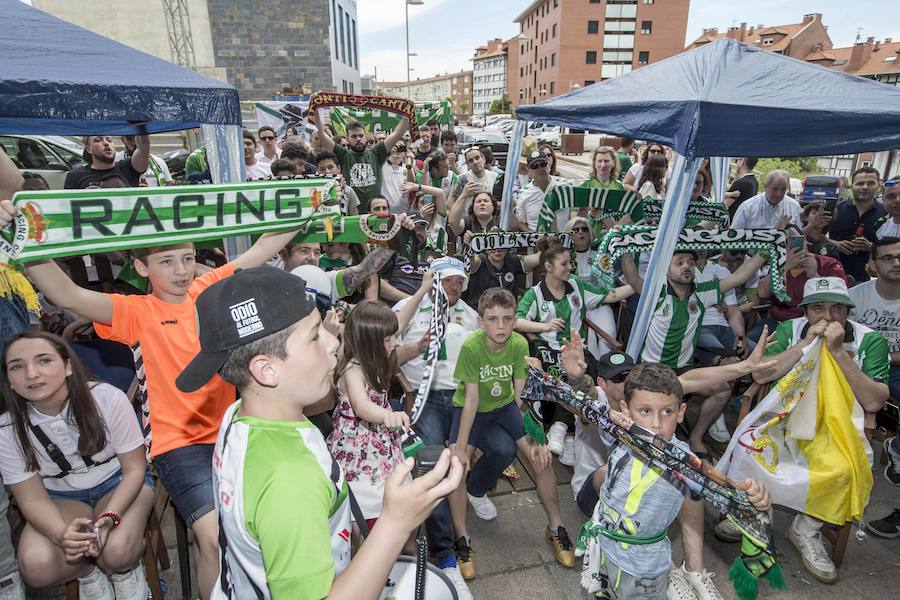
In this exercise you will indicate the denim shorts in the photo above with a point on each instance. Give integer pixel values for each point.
(186, 473)
(506, 417)
(93, 495)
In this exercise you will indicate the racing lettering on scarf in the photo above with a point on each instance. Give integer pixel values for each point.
(635, 239)
(59, 223)
(440, 316)
(397, 106)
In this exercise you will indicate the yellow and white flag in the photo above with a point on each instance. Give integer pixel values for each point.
(805, 441)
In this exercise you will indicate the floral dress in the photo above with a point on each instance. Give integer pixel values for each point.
(367, 452)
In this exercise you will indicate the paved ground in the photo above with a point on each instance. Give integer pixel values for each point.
(514, 560)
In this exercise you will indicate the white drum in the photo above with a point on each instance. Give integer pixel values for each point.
(401, 584)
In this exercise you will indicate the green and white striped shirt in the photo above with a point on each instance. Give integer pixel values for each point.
(675, 325)
(539, 305)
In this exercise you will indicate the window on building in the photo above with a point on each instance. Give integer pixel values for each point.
(555, 3)
(344, 85)
(553, 59)
(343, 56)
(590, 57)
(355, 42)
(334, 16)
(768, 41)
(554, 30)
(588, 82)
(644, 57)
(465, 90)
(552, 87)
(593, 26)
(596, 1)
(648, 1)
(646, 27)
(350, 87)
(522, 49)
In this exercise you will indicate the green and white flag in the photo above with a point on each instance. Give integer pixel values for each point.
(376, 121)
(59, 223)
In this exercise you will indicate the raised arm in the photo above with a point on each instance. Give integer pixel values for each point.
(62, 291)
(140, 160)
(397, 134)
(267, 246)
(742, 274)
(405, 314)
(630, 271)
(325, 139)
(10, 178)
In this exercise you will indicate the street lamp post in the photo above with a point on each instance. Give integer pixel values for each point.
(406, 6)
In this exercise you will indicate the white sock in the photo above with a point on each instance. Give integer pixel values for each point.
(93, 576)
(806, 525)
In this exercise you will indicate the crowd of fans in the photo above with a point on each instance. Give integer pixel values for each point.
(263, 481)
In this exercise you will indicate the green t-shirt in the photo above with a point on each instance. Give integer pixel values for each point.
(328, 264)
(283, 507)
(494, 372)
(363, 171)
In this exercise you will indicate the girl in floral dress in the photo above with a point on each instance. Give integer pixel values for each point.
(366, 436)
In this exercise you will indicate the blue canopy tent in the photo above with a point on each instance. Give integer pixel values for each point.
(57, 78)
(726, 99)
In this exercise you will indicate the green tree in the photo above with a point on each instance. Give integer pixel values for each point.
(500, 107)
(798, 167)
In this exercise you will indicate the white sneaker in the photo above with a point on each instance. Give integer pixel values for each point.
(718, 430)
(727, 531)
(702, 584)
(556, 437)
(459, 584)
(679, 588)
(12, 587)
(483, 507)
(131, 585)
(95, 585)
(815, 557)
(568, 456)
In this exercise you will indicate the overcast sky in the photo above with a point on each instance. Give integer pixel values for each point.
(445, 33)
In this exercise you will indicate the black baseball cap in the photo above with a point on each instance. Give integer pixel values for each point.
(614, 363)
(537, 159)
(240, 309)
(417, 218)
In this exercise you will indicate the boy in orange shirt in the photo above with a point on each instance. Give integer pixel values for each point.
(161, 329)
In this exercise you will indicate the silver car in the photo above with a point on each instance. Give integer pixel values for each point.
(49, 156)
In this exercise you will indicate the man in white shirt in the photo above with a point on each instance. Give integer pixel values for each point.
(434, 423)
(531, 198)
(253, 169)
(393, 174)
(270, 152)
(890, 198)
(771, 207)
(477, 174)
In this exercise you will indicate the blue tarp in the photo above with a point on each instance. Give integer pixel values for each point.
(730, 99)
(57, 78)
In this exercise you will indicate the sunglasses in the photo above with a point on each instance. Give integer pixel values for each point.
(267, 139)
(655, 152)
(891, 183)
(581, 229)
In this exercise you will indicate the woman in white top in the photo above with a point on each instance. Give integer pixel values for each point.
(652, 182)
(72, 454)
(633, 176)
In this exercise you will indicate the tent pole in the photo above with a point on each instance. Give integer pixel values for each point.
(721, 168)
(512, 171)
(224, 153)
(678, 197)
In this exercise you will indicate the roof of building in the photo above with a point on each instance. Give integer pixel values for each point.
(528, 10)
(435, 79)
(755, 35)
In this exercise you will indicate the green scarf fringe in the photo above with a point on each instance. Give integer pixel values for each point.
(534, 430)
(746, 582)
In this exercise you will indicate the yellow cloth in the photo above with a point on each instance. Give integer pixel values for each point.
(13, 283)
(840, 478)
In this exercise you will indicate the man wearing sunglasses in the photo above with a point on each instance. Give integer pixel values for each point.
(890, 198)
(270, 152)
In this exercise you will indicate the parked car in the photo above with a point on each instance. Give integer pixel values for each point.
(486, 137)
(491, 119)
(45, 155)
(175, 160)
(550, 135)
(825, 188)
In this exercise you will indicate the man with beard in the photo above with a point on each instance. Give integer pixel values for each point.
(157, 173)
(253, 169)
(360, 165)
(674, 327)
(102, 154)
(856, 221)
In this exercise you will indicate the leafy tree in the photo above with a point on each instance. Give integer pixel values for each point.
(500, 107)
(798, 167)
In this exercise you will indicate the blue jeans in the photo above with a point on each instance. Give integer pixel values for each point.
(713, 337)
(93, 495)
(894, 384)
(433, 427)
(494, 433)
(14, 318)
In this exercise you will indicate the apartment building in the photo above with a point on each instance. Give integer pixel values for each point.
(567, 44)
(489, 75)
(457, 87)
